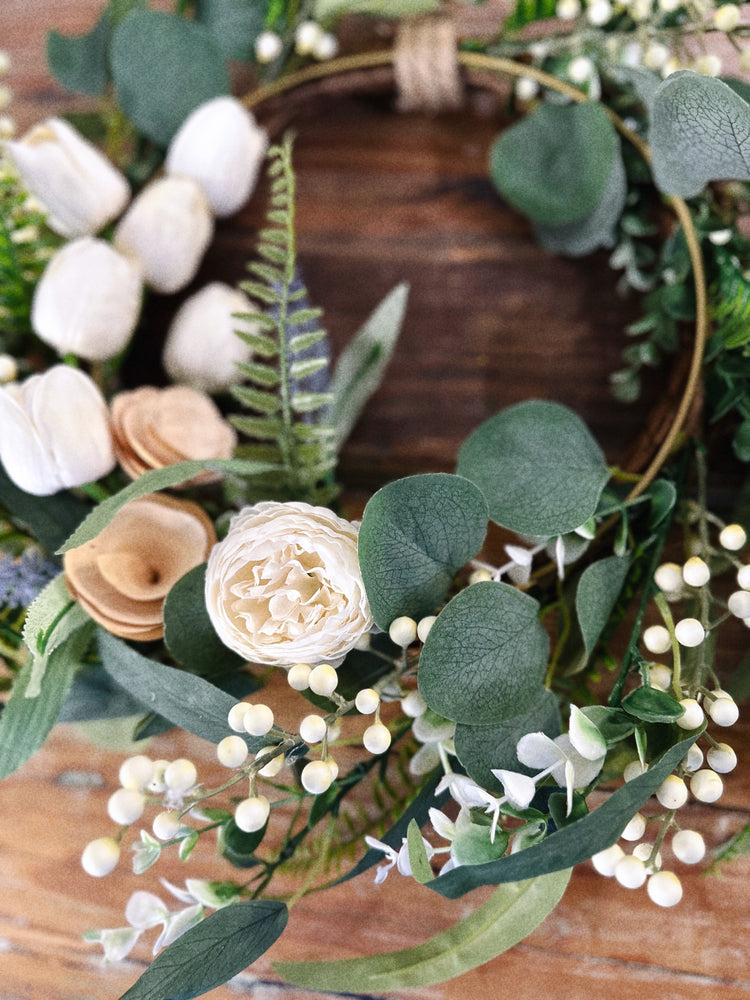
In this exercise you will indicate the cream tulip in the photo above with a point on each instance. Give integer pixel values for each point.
(202, 349)
(78, 186)
(88, 300)
(54, 431)
(221, 147)
(167, 228)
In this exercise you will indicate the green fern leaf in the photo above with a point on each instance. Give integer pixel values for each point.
(278, 236)
(266, 347)
(268, 272)
(308, 367)
(300, 316)
(314, 432)
(257, 399)
(272, 253)
(729, 295)
(265, 376)
(308, 402)
(261, 428)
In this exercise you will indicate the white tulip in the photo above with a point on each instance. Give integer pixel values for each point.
(202, 350)
(167, 228)
(55, 431)
(79, 187)
(88, 300)
(221, 147)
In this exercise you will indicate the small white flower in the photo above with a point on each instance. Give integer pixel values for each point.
(117, 942)
(398, 858)
(519, 788)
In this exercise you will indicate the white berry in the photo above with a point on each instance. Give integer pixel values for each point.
(367, 701)
(739, 603)
(606, 861)
(424, 625)
(298, 677)
(236, 716)
(706, 785)
(668, 577)
(657, 639)
(689, 632)
(733, 537)
(695, 572)
(726, 18)
(376, 738)
(166, 824)
(693, 714)
(413, 705)
(312, 729)
(316, 777)
(403, 631)
(326, 47)
(232, 751)
(664, 889)
(275, 764)
(693, 758)
(180, 775)
(688, 847)
(100, 856)
(635, 828)
(743, 573)
(672, 793)
(643, 852)
(258, 720)
(268, 46)
(126, 805)
(136, 772)
(660, 676)
(630, 872)
(323, 680)
(306, 36)
(722, 758)
(723, 710)
(251, 814)
(633, 770)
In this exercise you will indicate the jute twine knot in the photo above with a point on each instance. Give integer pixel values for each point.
(426, 66)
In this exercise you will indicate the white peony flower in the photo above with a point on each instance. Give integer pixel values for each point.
(167, 228)
(202, 350)
(221, 147)
(55, 431)
(78, 186)
(284, 586)
(88, 300)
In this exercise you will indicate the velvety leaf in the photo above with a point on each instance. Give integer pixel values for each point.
(163, 67)
(416, 534)
(80, 63)
(482, 748)
(95, 696)
(212, 952)
(555, 164)
(538, 466)
(700, 132)
(50, 519)
(651, 705)
(596, 595)
(575, 843)
(234, 25)
(509, 915)
(485, 657)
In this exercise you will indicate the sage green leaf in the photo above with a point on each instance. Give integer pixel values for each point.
(595, 230)
(555, 164)
(362, 363)
(234, 25)
(485, 656)
(612, 723)
(420, 863)
(152, 482)
(212, 952)
(663, 496)
(163, 67)
(26, 722)
(596, 595)
(80, 63)
(184, 699)
(538, 466)
(575, 843)
(188, 632)
(507, 917)
(651, 705)
(700, 132)
(50, 620)
(50, 519)
(416, 533)
(482, 748)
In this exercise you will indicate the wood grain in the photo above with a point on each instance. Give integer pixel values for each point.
(492, 320)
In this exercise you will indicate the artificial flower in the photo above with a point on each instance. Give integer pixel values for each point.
(153, 428)
(122, 577)
(78, 186)
(221, 147)
(398, 858)
(88, 300)
(167, 228)
(44, 420)
(285, 587)
(202, 348)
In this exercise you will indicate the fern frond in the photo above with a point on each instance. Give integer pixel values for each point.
(268, 272)
(307, 367)
(729, 295)
(261, 375)
(256, 290)
(257, 399)
(307, 402)
(260, 428)
(302, 341)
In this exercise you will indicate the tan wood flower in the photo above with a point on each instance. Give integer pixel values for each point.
(122, 577)
(153, 428)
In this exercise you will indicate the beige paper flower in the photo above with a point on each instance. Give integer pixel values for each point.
(153, 428)
(284, 586)
(122, 576)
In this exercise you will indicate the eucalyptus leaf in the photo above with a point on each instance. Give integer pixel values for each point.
(50, 519)
(234, 25)
(596, 595)
(556, 163)
(663, 496)
(538, 466)
(485, 657)
(700, 132)
(508, 916)
(151, 482)
(184, 699)
(163, 67)
(575, 843)
(80, 63)
(416, 533)
(362, 363)
(212, 952)
(95, 696)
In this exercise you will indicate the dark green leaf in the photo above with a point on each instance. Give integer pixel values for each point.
(50, 519)
(612, 723)
(212, 952)
(741, 441)
(538, 466)
(485, 657)
(234, 24)
(416, 534)
(527, 11)
(651, 705)
(239, 847)
(555, 164)
(597, 593)
(80, 63)
(663, 496)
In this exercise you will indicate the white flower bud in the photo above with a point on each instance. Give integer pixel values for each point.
(306, 37)
(598, 12)
(695, 572)
(298, 677)
(580, 70)
(367, 701)
(706, 786)
(181, 775)
(126, 805)
(723, 709)
(635, 828)
(656, 55)
(403, 631)
(232, 751)
(326, 47)
(526, 90)
(268, 47)
(743, 577)
(708, 65)
(136, 772)
(413, 705)
(693, 758)
(689, 632)
(668, 577)
(630, 872)
(44, 421)
(167, 228)
(100, 856)
(722, 758)
(693, 716)
(656, 639)
(661, 676)
(643, 852)
(633, 770)
(166, 824)
(252, 814)
(672, 793)
(87, 300)
(606, 861)
(316, 777)
(568, 10)
(376, 738)
(202, 349)
(157, 785)
(220, 146)
(258, 720)
(272, 768)
(312, 728)
(688, 846)
(236, 716)
(727, 17)
(323, 680)
(424, 626)
(78, 186)
(733, 537)
(664, 889)
(739, 603)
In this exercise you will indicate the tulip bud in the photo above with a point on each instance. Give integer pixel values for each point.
(78, 186)
(167, 228)
(202, 349)
(55, 431)
(220, 146)
(88, 300)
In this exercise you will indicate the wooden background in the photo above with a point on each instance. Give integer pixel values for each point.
(492, 320)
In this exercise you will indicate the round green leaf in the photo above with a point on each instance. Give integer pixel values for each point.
(555, 164)
(651, 705)
(485, 657)
(538, 466)
(416, 534)
(163, 67)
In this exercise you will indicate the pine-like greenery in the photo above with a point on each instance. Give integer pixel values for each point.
(288, 423)
(730, 300)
